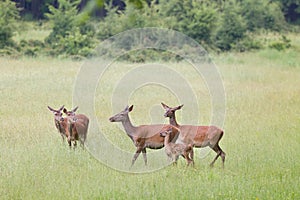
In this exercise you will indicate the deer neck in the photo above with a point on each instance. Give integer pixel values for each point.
(167, 140)
(173, 121)
(129, 128)
(58, 126)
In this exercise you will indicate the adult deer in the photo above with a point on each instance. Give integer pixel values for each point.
(77, 125)
(61, 123)
(144, 136)
(198, 136)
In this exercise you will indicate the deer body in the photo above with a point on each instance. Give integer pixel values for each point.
(61, 123)
(77, 126)
(144, 136)
(198, 136)
(173, 150)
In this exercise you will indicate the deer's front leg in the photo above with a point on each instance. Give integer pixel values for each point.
(145, 155)
(136, 155)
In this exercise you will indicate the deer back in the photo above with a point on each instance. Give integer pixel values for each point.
(80, 125)
(199, 136)
(149, 135)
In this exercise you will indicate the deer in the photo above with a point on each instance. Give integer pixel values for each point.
(198, 136)
(173, 150)
(143, 136)
(77, 125)
(61, 123)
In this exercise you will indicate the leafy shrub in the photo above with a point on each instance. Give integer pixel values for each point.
(262, 14)
(232, 27)
(71, 34)
(31, 48)
(283, 44)
(8, 16)
(197, 19)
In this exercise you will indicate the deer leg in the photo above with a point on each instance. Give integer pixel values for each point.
(75, 144)
(81, 140)
(69, 142)
(136, 155)
(63, 138)
(219, 152)
(145, 156)
(175, 159)
(192, 154)
(223, 154)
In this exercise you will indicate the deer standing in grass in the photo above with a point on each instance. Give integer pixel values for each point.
(144, 136)
(198, 136)
(173, 150)
(77, 126)
(61, 123)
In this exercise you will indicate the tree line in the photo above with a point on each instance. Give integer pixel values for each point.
(36, 9)
(77, 25)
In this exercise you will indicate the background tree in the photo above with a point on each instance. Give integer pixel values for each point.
(232, 27)
(8, 16)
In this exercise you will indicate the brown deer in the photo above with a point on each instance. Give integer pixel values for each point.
(61, 123)
(77, 126)
(144, 136)
(198, 136)
(173, 150)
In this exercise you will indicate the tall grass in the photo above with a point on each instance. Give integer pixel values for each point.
(261, 135)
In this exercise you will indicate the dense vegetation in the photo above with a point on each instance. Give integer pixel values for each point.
(75, 27)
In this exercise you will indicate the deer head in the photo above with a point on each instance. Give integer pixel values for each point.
(70, 113)
(57, 113)
(121, 116)
(170, 111)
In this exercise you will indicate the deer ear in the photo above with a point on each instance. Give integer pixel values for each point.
(65, 110)
(74, 110)
(61, 108)
(179, 107)
(165, 106)
(130, 108)
(51, 109)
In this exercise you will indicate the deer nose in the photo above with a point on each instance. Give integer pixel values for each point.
(111, 119)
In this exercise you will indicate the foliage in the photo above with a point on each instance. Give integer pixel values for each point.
(192, 17)
(63, 19)
(283, 44)
(291, 10)
(8, 16)
(232, 26)
(262, 14)
(71, 35)
(31, 47)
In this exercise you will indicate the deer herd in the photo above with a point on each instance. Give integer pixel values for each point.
(178, 140)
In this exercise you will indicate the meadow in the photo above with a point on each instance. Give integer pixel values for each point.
(261, 141)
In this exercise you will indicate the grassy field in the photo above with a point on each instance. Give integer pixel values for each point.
(262, 134)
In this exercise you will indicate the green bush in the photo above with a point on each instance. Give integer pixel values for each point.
(8, 16)
(197, 19)
(282, 44)
(232, 28)
(72, 34)
(262, 14)
(31, 48)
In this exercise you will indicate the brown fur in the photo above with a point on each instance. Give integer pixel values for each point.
(173, 150)
(144, 136)
(77, 126)
(198, 136)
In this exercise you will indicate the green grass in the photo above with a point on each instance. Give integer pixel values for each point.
(262, 139)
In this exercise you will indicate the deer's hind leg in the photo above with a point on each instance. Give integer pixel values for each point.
(219, 152)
